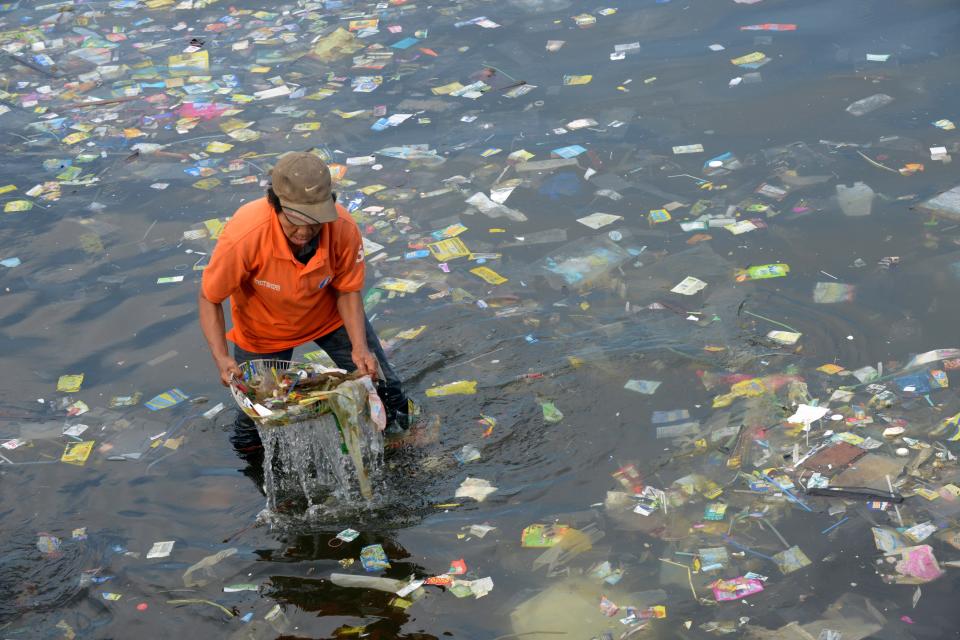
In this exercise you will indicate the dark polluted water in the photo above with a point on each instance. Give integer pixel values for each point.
(682, 256)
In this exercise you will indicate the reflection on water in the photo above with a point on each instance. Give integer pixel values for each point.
(562, 134)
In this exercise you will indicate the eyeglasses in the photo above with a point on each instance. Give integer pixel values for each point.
(302, 214)
(289, 210)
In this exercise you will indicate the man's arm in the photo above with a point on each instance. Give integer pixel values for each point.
(214, 329)
(350, 306)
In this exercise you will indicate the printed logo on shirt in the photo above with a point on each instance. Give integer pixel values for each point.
(268, 285)
(324, 283)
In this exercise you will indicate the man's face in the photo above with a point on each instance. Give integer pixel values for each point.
(298, 229)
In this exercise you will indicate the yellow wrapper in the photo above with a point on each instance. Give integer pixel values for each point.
(186, 64)
(449, 249)
(410, 334)
(70, 383)
(488, 275)
(77, 452)
(458, 388)
(576, 80)
(76, 137)
(218, 147)
(16, 206)
(750, 58)
(214, 227)
(206, 184)
(356, 25)
(447, 89)
(830, 369)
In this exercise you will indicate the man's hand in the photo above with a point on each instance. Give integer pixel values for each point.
(212, 324)
(366, 362)
(228, 367)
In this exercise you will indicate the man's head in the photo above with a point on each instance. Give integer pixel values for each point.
(303, 189)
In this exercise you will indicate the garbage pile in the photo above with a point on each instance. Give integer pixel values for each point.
(790, 470)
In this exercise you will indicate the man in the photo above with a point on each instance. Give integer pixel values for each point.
(292, 265)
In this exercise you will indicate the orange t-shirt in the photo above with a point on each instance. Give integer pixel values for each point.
(277, 302)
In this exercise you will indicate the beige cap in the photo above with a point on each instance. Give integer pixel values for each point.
(302, 182)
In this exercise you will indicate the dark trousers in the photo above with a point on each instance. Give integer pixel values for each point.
(337, 344)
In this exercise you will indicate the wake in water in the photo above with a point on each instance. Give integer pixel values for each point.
(321, 461)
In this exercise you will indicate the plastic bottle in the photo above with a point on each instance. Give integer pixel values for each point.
(367, 582)
(855, 201)
(868, 104)
(277, 619)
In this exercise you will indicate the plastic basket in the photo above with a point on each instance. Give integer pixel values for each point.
(317, 424)
(254, 371)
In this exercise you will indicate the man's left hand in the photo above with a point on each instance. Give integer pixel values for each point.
(366, 363)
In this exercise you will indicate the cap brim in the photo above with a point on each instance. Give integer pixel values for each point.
(316, 212)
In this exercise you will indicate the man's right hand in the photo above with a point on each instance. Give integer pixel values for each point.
(228, 368)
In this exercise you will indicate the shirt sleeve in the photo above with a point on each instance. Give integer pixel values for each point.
(227, 269)
(349, 267)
